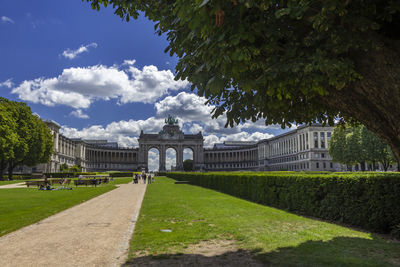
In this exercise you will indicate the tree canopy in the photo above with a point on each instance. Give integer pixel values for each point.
(291, 61)
(188, 165)
(24, 138)
(351, 145)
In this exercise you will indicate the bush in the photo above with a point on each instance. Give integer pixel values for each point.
(66, 174)
(367, 200)
(121, 174)
(23, 176)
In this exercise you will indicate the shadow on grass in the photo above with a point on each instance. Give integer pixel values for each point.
(340, 251)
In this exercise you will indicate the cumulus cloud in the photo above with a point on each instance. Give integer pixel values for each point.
(196, 115)
(79, 114)
(8, 83)
(153, 161)
(79, 87)
(71, 54)
(5, 19)
(170, 158)
(210, 140)
(123, 132)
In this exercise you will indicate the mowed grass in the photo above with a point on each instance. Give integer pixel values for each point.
(23, 206)
(274, 236)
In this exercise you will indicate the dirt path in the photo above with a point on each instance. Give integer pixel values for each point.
(94, 233)
(8, 186)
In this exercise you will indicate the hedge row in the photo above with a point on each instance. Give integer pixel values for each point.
(121, 174)
(371, 201)
(67, 174)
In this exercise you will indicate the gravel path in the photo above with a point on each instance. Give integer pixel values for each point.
(94, 233)
(8, 186)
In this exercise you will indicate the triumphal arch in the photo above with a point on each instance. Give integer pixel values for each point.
(171, 137)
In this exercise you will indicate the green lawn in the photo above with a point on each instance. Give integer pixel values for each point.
(22, 207)
(274, 236)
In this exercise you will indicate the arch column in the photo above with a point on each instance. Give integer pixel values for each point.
(163, 160)
(179, 157)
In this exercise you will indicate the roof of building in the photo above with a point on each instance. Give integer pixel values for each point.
(234, 144)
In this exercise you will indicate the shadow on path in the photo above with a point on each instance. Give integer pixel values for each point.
(340, 251)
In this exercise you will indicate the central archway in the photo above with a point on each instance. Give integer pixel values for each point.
(153, 159)
(171, 137)
(171, 159)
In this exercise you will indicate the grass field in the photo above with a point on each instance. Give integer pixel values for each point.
(275, 237)
(24, 206)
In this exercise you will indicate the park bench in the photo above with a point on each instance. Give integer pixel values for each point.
(94, 182)
(37, 183)
(55, 181)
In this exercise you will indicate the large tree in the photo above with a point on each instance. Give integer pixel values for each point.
(292, 61)
(30, 140)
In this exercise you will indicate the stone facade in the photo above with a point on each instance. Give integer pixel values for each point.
(302, 149)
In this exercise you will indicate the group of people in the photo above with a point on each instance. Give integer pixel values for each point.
(46, 184)
(143, 176)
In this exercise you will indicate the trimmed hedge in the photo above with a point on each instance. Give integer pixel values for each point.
(67, 174)
(371, 201)
(121, 174)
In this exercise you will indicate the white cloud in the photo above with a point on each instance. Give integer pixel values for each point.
(79, 114)
(5, 19)
(170, 158)
(8, 83)
(129, 62)
(195, 128)
(210, 140)
(187, 106)
(71, 54)
(124, 132)
(78, 87)
(196, 116)
(153, 159)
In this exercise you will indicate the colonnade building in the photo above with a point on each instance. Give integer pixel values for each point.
(302, 149)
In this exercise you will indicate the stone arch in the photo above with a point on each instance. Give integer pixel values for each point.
(173, 163)
(191, 148)
(171, 137)
(150, 166)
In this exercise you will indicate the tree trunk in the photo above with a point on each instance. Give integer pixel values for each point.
(375, 99)
(2, 167)
(10, 170)
(362, 165)
(385, 166)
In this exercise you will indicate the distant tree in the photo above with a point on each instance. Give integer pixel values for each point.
(356, 144)
(285, 61)
(75, 168)
(64, 167)
(188, 165)
(31, 139)
(8, 135)
(337, 146)
(376, 149)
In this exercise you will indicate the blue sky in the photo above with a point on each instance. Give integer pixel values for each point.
(99, 76)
